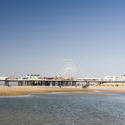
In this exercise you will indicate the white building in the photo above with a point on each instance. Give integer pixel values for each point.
(114, 78)
(3, 78)
(33, 77)
(89, 79)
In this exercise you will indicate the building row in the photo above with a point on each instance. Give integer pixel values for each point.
(38, 77)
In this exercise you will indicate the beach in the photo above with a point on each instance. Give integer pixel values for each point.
(24, 90)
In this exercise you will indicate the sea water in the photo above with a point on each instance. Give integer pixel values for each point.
(63, 109)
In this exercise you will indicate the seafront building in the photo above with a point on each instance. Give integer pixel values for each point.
(89, 79)
(39, 77)
(33, 76)
(3, 78)
(115, 78)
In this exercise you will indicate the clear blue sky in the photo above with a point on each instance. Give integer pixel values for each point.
(37, 35)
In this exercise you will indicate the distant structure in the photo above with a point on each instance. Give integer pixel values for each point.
(115, 78)
(68, 69)
(33, 76)
(3, 78)
(12, 78)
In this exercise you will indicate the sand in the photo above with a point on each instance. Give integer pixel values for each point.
(24, 90)
(107, 88)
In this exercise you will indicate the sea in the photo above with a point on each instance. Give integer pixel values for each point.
(63, 109)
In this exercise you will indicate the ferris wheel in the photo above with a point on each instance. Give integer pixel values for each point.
(68, 69)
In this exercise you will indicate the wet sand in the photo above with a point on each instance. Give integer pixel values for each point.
(107, 88)
(24, 90)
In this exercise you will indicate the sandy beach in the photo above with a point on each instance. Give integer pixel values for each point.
(24, 90)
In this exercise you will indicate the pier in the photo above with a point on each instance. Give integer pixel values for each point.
(41, 82)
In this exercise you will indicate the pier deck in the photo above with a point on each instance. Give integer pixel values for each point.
(36, 82)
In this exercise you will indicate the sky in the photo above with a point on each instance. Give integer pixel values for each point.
(39, 36)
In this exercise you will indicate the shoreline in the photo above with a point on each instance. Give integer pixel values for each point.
(107, 88)
(26, 90)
